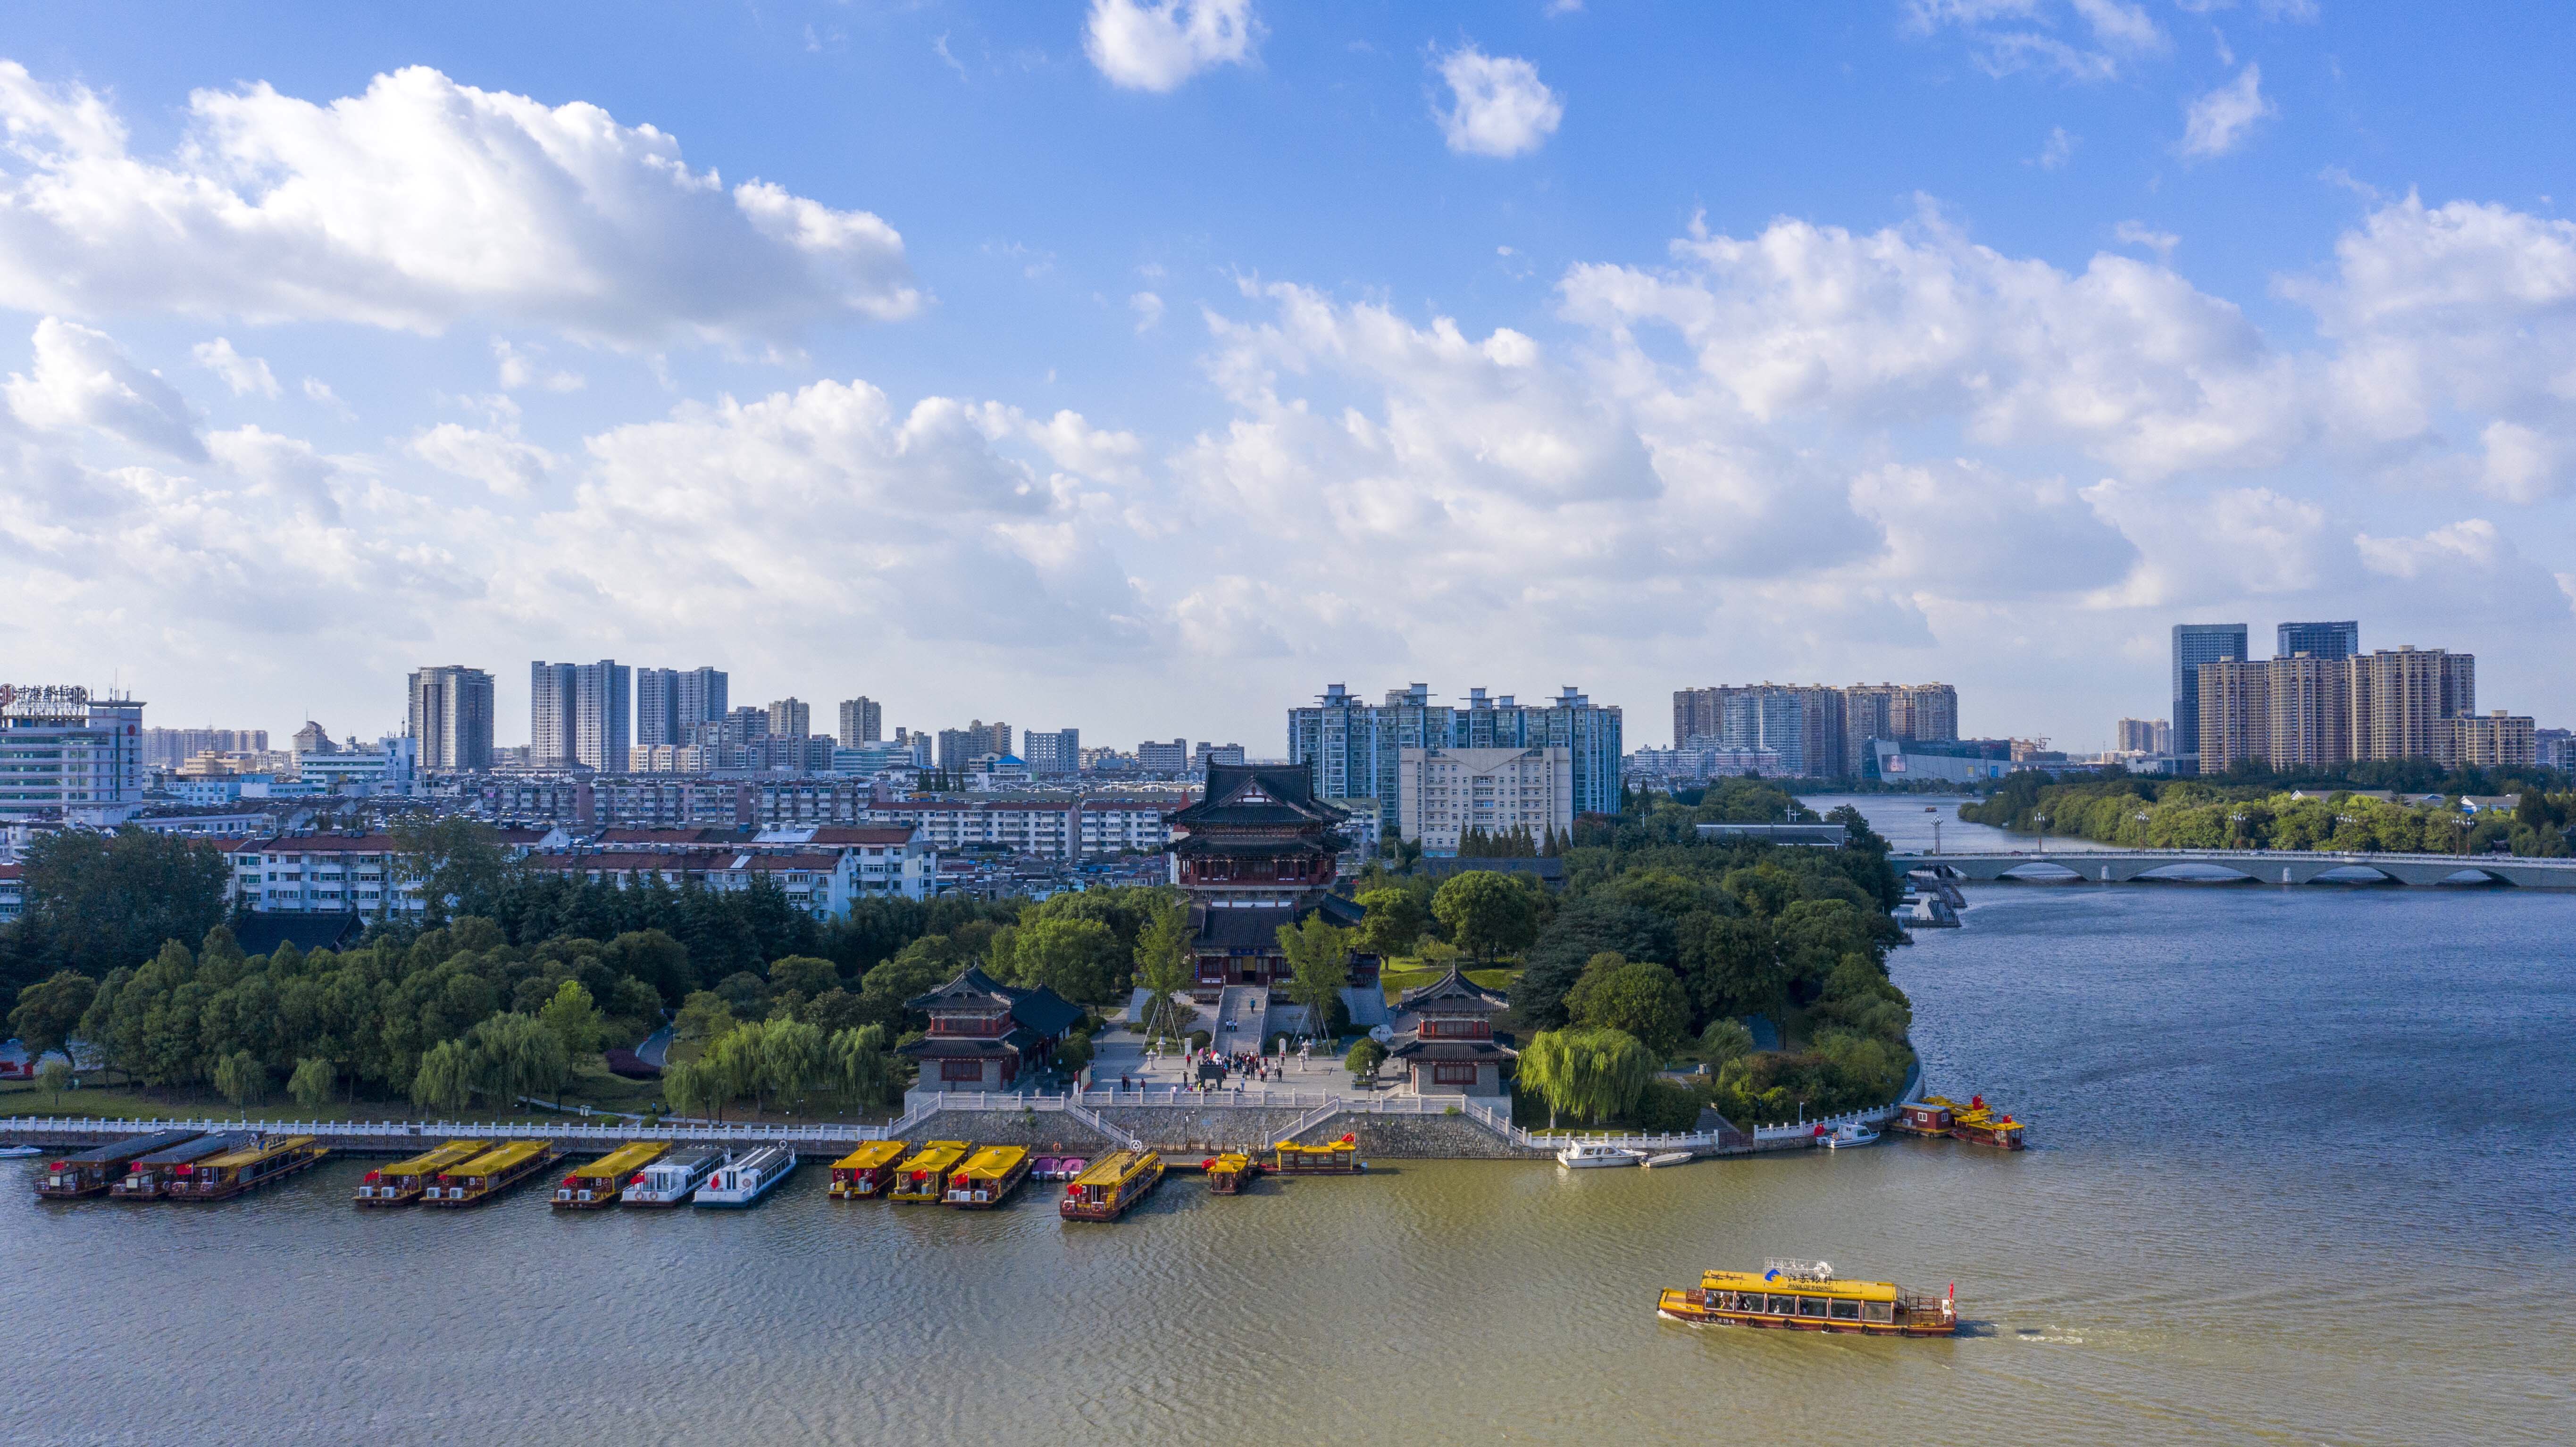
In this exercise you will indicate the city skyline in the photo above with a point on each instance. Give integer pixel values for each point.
(1132, 348)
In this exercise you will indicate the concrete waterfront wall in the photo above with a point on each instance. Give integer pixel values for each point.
(1042, 1131)
(1419, 1137)
(1196, 1131)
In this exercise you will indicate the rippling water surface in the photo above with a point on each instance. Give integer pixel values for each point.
(2302, 1174)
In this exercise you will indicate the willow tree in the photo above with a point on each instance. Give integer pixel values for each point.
(445, 1077)
(1589, 1074)
(793, 1055)
(863, 1066)
(693, 1087)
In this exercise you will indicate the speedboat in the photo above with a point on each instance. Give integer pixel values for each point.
(12, 1153)
(1846, 1136)
(1668, 1158)
(1593, 1153)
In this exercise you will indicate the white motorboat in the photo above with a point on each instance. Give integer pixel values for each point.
(742, 1180)
(1846, 1136)
(1668, 1158)
(671, 1180)
(12, 1153)
(1593, 1153)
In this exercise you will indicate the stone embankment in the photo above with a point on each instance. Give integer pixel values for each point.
(1192, 1132)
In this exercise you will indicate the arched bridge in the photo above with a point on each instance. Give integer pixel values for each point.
(2119, 866)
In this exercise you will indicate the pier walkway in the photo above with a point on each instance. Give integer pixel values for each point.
(2269, 866)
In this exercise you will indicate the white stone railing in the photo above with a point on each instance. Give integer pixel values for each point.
(328, 1130)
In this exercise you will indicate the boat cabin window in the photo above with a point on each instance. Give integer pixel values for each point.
(1784, 1306)
(1878, 1311)
(1846, 1311)
(1811, 1306)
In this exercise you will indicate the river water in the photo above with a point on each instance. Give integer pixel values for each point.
(2301, 1173)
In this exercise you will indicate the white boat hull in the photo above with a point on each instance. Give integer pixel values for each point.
(739, 1197)
(1583, 1160)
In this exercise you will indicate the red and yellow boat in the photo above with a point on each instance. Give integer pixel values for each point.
(1229, 1173)
(866, 1171)
(1807, 1296)
(1109, 1186)
(402, 1183)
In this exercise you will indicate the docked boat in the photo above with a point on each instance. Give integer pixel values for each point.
(600, 1183)
(1229, 1173)
(1807, 1296)
(864, 1172)
(475, 1181)
(1847, 1136)
(92, 1172)
(1048, 1168)
(1585, 1154)
(402, 1183)
(1668, 1158)
(1975, 1122)
(220, 1178)
(988, 1178)
(1332, 1158)
(147, 1178)
(18, 1153)
(671, 1180)
(742, 1180)
(1110, 1186)
(924, 1176)
(1070, 1167)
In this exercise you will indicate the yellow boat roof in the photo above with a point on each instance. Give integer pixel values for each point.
(500, 1158)
(1110, 1169)
(1791, 1286)
(624, 1160)
(872, 1154)
(1232, 1161)
(937, 1156)
(1326, 1149)
(994, 1161)
(249, 1154)
(437, 1160)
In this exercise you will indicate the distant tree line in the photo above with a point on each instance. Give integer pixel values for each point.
(2223, 814)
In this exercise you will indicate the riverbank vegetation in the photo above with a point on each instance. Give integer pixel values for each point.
(2215, 814)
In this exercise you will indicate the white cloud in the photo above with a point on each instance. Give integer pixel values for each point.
(415, 205)
(1157, 44)
(286, 467)
(2006, 36)
(2523, 464)
(2121, 26)
(1498, 106)
(2059, 149)
(2216, 123)
(244, 375)
(2469, 546)
(519, 368)
(505, 464)
(82, 378)
(1148, 308)
(2139, 233)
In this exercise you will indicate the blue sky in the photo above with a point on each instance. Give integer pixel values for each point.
(1057, 362)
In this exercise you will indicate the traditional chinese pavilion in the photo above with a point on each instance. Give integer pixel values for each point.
(984, 1035)
(1451, 1050)
(1256, 852)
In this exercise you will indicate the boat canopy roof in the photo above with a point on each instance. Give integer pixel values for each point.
(1341, 1147)
(1798, 1286)
(871, 1155)
(132, 1148)
(255, 1152)
(1113, 1168)
(937, 1156)
(624, 1160)
(436, 1160)
(196, 1150)
(993, 1162)
(498, 1159)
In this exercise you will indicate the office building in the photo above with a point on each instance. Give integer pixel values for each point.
(2195, 644)
(1355, 749)
(451, 718)
(1052, 753)
(1443, 794)
(1161, 758)
(862, 722)
(790, 718)
(2318, 640)
(65, 755)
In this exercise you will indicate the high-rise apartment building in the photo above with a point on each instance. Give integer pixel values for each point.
(669, 702)
(1356, 748)
(550, 708)
(1818, 731)
(862, 722)
(1052, 753)
(451, 718)
(1161, 758)
(2304, 712)
(2318, 640)
(65, 755)
(1207, 753)
(2195, 644)
(2144, 736)
(790, 718)
(580, 715)
(2494, 741)
(960, 747)
(1444, 794)
(169, 748)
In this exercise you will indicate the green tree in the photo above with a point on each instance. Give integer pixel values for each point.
(704, 1018)
(805, 974)
(445, 1078)
(311, 1083)
(695, 1087)
(1163, 970)
(654, 957)
(100, 901)
(50, 1010)
(1363, 1060)
(460, 865)
(1319, 966)
(1640, 998)
(1725, 1041)
(574, 1020)
(1394, 922)
(1591, 1074)
(54, 1077)
(1487, 914)
(865, 1068)
(793, 1058)
(740, 1064)
(514, 1055)
(241, 1079)
(1076, 958)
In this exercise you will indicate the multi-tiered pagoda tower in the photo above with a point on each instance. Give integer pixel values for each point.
(1256, 852)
